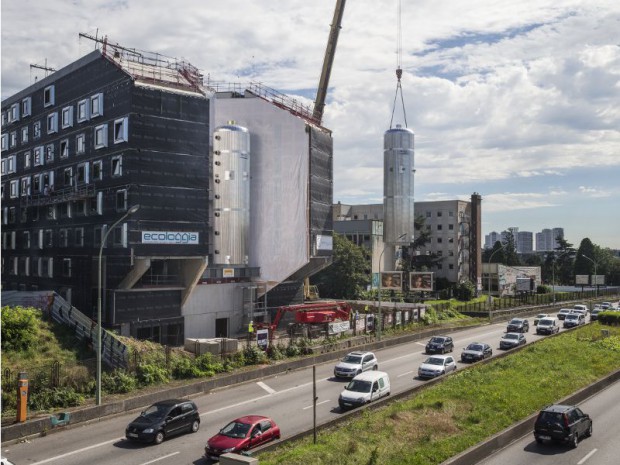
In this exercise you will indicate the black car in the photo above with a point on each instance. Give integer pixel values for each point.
(562, 423)
(164, 419)
(476, 351)
(439, 345)
(518, 325)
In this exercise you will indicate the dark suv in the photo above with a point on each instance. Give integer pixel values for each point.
(518, 325)
(562, 423)
(439, 345)
(164, 419)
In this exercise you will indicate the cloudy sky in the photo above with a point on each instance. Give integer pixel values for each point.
(516, 100)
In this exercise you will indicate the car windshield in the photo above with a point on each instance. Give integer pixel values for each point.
(515, 321)
(434, 361)
(156, 411)
(545, 322)
(438, 340)
(234, 429)
(572, 317)
(352, 359)
(565, 311)
(511, 336)
(541, 315)
(359, 386)
(477, 347)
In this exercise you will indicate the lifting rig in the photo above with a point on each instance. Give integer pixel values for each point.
(399, 70)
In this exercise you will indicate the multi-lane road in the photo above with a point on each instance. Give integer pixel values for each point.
(287, 398)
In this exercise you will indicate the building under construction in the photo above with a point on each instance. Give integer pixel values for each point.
(233, 184)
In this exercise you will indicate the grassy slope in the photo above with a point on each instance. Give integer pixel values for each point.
(466, 408)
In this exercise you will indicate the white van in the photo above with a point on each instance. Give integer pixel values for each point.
(583, 309)
(364, 388)
(548, 325)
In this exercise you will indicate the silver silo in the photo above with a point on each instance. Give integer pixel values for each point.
(398, 172)
(231, 194)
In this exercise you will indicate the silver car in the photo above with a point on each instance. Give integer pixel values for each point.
(354, 363)
(436, 365)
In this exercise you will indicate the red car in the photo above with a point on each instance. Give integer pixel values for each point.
(242, 434)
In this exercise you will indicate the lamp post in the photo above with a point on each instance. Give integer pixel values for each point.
(595, 276)
(129, 212)
(380, 322)
(489, 278)
(553, 274)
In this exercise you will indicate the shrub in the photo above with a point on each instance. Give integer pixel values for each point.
(609, 318)
(542, 289)
(254, 356)
(118, 382)
(151, 374)
(50, 398)
(465, 291)
(20, 327)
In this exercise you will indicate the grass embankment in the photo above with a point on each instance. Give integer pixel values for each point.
(475, 403)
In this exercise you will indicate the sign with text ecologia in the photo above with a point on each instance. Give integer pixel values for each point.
(170, 237)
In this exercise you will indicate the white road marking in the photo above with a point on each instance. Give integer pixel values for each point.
(160, 458)
(51, 459)
(266, 388)
(405, 374)
(421, 343)
(318, 403)
(590, 454)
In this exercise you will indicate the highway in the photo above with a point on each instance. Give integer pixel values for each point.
(600, 449)
(287, 398)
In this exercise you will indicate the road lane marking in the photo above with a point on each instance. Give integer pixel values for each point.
(421, 343)
(51, 459)
(160, 458)
(405, 374)
(317, 404)
(590, 454)
(266, 388)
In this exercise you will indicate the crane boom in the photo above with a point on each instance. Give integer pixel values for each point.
(319, 103)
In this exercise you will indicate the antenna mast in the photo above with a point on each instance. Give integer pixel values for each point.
(43, 67)
(399, 71)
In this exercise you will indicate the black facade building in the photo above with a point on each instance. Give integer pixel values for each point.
(79, 149)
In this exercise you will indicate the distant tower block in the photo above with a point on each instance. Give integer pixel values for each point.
(231, 194)
(398, 172)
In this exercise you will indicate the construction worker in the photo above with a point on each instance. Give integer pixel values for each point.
(251, 327)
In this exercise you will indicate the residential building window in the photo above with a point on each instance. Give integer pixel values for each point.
(96, 105)
(14, 189)
(63, 237)
(67, 117)
(24, 215)
(97, 170)
(439, 227)
(450, 253)
(80, 208)
(451, 240)
(38, 267)
(26, 266)
(47, 179)
(38, 156)
(428, 214)
(451, 227)
(79, 237)
(14, 113)
(49, 153)
(14, 265)
(26, 239)
(439, 266)
(36, 129)
(438, 213)
(26, 106)
(101, 136)
(13, 139)
(65, 210)
(439, 240)
(66, 267)
(50, 267)
(36, 184)
(83, 113)
(24, 138)
(51, 212)
(68, 177)
(5, 142)
(11, 164)
(96, 204)
(13, 240)
(25, 187)
(451, 266)
(80, 144)
(82, 173)
(48, 238)
(120, 130)
(451, 213)
(27, 160)
(117, 166)
(48, 96)
(12, 215)
(52, 123)
(97, 236)
(5, 118)
(121, 200)
(120, 235)
(64, 148)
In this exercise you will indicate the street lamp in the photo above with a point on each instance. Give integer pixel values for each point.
(595, 276)
(380, 322)
(489, 270)
(553, 274)
(131, 211)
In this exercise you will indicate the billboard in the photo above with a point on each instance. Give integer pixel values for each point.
(392, 280)
(524, 284)
(420, 281)
(598, 279)
(582, 279)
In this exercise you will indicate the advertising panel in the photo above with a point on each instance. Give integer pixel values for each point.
(582, 279)
(170, 237)
(392, 280)
(262, 338)
(524, 284)
(598, 279)
(337, 327)
(420, 281)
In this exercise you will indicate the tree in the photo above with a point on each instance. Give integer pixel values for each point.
(495, 255)
(564, 257)
(348, 275)
(585, 265)
(510, 251)
(413, 262)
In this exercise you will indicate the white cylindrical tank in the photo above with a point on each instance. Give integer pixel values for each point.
(398, 172)
(231, 194)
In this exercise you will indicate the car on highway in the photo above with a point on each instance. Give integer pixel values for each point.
(563, 312)
(594, 313)
(574, 319)
(580, 308)
(518, 325)
(5, 461)
(436, 365)
(242, 434)
(548, 325)
(439, 345)
(164, 419)
(364, 388)
(355, 363)
(562, 423)
(511, 340)
(476, 351)
(606, 305)
(539, 317)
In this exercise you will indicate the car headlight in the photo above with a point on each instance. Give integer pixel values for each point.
(230, 449)
(149, 430)
(360, 399)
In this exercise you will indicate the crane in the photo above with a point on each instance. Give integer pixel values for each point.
(399, 70)
(319, 103)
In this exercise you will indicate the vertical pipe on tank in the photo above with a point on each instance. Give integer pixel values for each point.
(231, 194)
(398, 187)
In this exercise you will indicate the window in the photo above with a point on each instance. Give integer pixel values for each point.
(101, 136)
(439, 240)
(47, 179)
(450, 253)
(439, 227)
(51, 212)
(451, 227)
(24, 138)
(14, 189)
(80, 207)
(65, 210)
(97, 236)
(117, 165)
(26, 106)
(79, 237)
(14, 113)
(67, 117)
(68, 177)
(13, 240)
(83, 113)
(36, 129)
(26, 266)
(120, 235)
(96, 105)
(49, 153)
(428, 214)
(5, 118)
(25, 188)
(24, 215)
(451, 213)
(11, 164)
(38, 156)
(80, 144)
(66, 267)
(36, 184)
(14, 265)
(121, 200)
(451, 240)
(97, 170)
(5, 142)
(439, 213)
(82, 173)
(48, 96)
(12, 215)
(52, 123)
(64, 148)
(45, 238)
(50, 267)
(96, 204)
(63, 237)
(26, 239)
(120, 130)
(13, 139)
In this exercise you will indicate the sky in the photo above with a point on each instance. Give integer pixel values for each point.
(518, 101)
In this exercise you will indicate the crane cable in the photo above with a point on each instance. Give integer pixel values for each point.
(399, 71)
